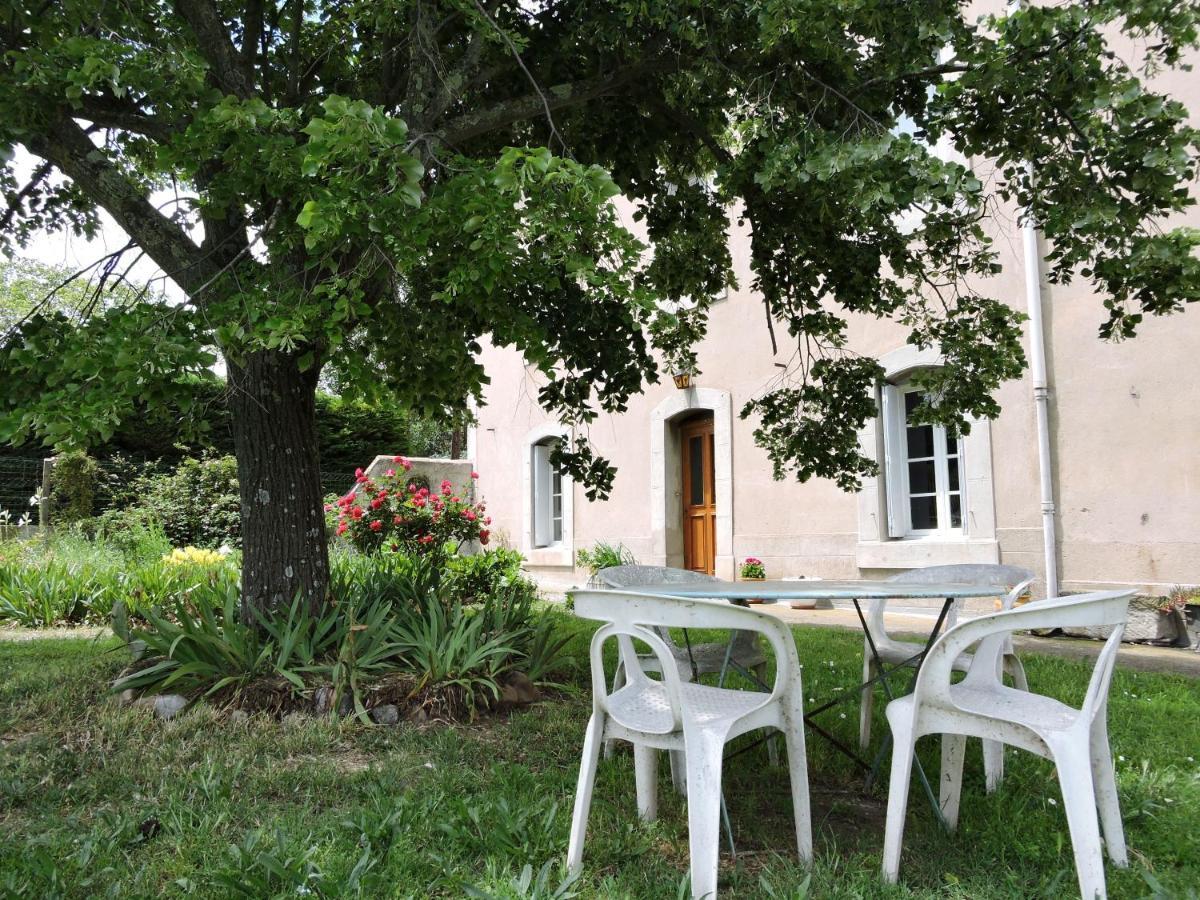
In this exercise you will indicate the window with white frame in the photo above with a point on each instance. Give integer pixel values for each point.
(547, 499)
(923, 470)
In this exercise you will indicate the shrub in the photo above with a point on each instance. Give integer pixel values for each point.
(480, 575)
(391, 515)
(389, 614)
(73, 487)
(196, 505)
(604, 556)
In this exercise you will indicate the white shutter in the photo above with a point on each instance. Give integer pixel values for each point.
(542, 498)
(894, 456)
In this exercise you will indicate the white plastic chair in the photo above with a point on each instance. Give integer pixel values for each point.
(699, 659)
(1011, 579)
(981, 705)
(677, 715)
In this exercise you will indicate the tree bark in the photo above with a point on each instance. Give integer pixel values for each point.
(284, 549)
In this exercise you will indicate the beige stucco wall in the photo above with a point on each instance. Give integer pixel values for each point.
(1125, 429)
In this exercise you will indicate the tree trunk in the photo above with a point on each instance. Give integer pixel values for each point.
(284, 550)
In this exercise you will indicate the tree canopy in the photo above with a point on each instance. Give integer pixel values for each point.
(379, 186)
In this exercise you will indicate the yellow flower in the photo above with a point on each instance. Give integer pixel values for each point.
(193, 556)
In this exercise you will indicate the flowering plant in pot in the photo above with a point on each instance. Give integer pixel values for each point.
(397, 515)
(753, 569)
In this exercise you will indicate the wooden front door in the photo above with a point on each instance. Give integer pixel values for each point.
(699, 496)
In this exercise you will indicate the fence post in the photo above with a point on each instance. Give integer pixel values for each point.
(44, 494)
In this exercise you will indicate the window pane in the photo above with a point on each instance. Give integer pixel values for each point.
(924, 513)
(955, 511)
(920, 441)
(911, 401)
(696, 470)
(921, 477)
(952, 463)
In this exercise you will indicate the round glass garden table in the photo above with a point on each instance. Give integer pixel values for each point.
(742, 592)
(772, 591)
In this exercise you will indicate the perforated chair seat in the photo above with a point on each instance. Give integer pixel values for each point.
(649, 708)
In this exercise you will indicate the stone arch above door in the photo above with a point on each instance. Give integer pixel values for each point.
(665, 478)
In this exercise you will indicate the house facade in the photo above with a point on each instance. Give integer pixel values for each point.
(1105, 490)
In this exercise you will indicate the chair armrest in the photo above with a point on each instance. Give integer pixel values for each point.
(1099, 608)
(633, 672)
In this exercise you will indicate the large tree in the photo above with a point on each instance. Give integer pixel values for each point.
(377, 186)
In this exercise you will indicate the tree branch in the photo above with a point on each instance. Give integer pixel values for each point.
(928, 72)
(110, 112)
(68, 147)
(215, 46)
(252, 26)
(559, 96)
(14, 201)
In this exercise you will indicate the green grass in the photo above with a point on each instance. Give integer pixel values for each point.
(100, 800)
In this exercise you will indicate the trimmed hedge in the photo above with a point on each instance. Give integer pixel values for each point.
(350, 434)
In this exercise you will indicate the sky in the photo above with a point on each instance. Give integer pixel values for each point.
(64, 248)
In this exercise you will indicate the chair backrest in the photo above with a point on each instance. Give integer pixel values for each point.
(629, 615)
(1099, 608)
(631, 576)
(1013, 579)
(967, 573)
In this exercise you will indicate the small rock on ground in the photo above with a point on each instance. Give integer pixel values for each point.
(519, 691)
(385, 715)
(168, 706)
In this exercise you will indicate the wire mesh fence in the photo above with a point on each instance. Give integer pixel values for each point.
(20, 479)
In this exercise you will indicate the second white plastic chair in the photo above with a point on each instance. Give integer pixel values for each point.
(982, 706)
(676, 715)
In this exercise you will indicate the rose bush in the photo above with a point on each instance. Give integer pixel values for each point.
(390, 514)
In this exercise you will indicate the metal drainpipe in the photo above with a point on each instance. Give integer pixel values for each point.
(1041, 398)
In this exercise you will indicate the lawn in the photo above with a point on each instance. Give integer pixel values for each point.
(102, 800)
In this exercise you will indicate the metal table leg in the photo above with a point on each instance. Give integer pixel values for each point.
(887, 741)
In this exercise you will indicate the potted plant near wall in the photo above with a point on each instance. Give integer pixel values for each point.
(753, 569)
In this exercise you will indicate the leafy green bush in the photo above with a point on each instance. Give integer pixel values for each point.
(73, 487)
(388, 615)
(195, 505)
(604, 556)
(481, 575)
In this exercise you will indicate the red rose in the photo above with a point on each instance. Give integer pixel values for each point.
(376, 503)
(474, 474)
(484, 536)
(356, 512)
(469, 516)
(487, 520)
(342, 528)
(376, 525)
(358, 473)
(390, 473)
